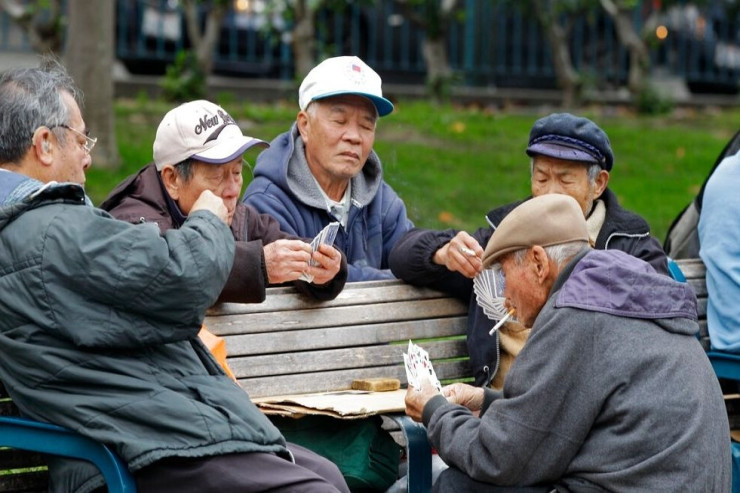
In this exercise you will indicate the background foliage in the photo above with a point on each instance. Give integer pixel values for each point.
(453, 164)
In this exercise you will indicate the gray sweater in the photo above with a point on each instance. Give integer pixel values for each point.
(611, 392)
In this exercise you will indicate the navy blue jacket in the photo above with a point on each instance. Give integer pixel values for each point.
(284, 187)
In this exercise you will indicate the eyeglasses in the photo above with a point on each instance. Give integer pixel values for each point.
(89, 141)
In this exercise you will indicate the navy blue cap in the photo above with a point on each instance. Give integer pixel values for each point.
(570, 137)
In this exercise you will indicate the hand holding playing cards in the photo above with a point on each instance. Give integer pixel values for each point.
(416, 398)
(286, 260)
(327, 261)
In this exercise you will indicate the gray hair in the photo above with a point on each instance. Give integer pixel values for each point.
(593, 171)
(185, 169)
(560, 254)
(31, 98)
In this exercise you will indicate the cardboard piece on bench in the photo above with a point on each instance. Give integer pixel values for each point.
(346, 404)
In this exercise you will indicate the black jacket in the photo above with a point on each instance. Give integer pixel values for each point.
(141, 198)
(411, 260)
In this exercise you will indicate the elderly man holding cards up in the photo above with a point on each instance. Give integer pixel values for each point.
(612, 391)
(199, 146)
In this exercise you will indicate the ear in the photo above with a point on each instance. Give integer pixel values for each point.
(600, 183)
(303, 124)
(43, 147)
(540, 263)
(171, 181)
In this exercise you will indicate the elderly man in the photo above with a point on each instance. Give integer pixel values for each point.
(324, 169)
(569, 155)
(200, 147)
(612, 391)
(99, 319)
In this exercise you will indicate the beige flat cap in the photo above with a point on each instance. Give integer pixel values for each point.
(546, 220)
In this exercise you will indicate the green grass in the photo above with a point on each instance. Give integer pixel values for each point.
(451, 164)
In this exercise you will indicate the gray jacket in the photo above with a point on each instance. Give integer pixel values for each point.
(98, 332)
(612, 392)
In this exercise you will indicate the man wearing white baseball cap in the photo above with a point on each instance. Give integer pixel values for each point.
(199, 146)
(324, 168)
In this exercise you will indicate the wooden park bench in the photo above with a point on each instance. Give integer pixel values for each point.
(291, 345)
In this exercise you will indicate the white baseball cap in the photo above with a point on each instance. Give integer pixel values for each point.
(200, 130)
(343, 75)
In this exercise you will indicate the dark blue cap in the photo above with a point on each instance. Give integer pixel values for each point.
(570, 137)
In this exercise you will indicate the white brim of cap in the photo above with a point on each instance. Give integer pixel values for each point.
(383, 106)
(228, 150)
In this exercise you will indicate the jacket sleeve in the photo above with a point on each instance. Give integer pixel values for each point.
(411, 260)
(248, 278)
(157, 288)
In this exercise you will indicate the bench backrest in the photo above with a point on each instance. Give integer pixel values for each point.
(28, 468)
(290, 344)
(695, 272)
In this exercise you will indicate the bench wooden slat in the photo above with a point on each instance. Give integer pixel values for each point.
(340, 337)
(327, 381)
(7, 408)
(25, 482)
(336, 316)
(18, 459)
(365, 293)
(337, 359)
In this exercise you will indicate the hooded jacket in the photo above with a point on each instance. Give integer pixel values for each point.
(284, 187)
(612, 392)
(141, 198)
(98, 331)
(411, 260)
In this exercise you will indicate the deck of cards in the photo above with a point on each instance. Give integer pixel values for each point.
(488, 286)
(325, 237)
(419, 368)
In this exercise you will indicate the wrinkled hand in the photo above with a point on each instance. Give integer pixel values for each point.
(416, 399)
(464, 395)
(329, 260)
(285, 260)
(462, 254)
(208, 201)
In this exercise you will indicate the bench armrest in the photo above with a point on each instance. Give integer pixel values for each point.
(27, 434)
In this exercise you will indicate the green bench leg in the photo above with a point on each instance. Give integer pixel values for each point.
(418, 455)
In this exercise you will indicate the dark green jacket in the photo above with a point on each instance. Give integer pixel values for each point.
(98, 332)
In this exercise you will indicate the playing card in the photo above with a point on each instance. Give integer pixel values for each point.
(419, 367)
(325, 237)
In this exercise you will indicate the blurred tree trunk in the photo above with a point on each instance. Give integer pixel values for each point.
(89, 58)
(434, 18)
(550, 18)
(304, 38)
(621, 12)
(203, 42)
(42, 20)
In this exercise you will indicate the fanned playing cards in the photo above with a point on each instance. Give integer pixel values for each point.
(488, 286)
(419, 367)
(325, 237)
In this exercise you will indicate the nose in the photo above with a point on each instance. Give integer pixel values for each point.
(87, 162)
(352, 133)
(233, 187)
